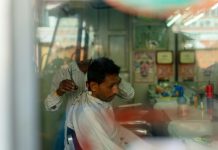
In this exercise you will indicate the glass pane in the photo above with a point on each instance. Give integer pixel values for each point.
(170, 99)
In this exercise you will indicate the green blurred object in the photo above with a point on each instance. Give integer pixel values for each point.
(203, 139)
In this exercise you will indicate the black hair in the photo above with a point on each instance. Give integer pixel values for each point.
(99, 68)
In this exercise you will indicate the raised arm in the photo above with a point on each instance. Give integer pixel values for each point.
(53, 100)
(126, 91)
(61, 84)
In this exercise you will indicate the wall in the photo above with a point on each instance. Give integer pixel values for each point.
(121, 35)
(148, 36)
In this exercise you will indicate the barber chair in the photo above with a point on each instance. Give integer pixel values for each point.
(72, 142)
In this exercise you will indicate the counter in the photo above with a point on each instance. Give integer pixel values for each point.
(193, 123)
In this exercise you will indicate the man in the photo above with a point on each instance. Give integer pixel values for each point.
(90, 123)
(67, 84)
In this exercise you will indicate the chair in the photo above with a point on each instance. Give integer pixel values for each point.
(72, 141)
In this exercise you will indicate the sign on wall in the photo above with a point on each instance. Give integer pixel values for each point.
(144, 66)
(164, 71)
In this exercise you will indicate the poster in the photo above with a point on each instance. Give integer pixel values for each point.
(144, 66)
(187, 71)
(164, 72)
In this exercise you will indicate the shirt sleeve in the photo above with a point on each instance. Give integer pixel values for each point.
(126, 91)
(53, 101)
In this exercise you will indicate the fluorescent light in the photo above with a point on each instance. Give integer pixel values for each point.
(214, 6)
(194, 19)
(52, 6)
(173, 20)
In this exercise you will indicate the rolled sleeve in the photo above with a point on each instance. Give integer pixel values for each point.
(52, 102)
(126, 91)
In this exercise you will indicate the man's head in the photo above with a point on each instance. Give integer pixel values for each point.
(103, 78)
(83, 65)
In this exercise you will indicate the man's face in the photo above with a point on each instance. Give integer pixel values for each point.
(108, 88)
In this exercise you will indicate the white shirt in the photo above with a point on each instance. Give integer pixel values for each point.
(94, 124)
(53, 101)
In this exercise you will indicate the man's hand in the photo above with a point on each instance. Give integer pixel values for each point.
(66, 86)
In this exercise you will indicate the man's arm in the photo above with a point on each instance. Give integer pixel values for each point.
(126, 91)
(61, 83)
(53, 100)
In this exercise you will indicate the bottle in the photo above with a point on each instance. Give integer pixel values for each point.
(195, 101)
(209, 90)
(202, 105)
(191, 101)
(209, 96)
(182, 103)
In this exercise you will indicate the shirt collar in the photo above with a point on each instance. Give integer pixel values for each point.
(98, 101)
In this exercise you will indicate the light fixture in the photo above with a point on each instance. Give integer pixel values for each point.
(173, 20)
(194, 19)
(52, 5)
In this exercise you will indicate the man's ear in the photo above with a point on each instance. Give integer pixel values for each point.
(93, 86)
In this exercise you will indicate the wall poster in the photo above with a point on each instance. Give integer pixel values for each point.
(187, 71)
(164, 71)
(144, 66)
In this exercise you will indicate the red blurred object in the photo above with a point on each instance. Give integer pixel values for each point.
(126, 114)
(209, 90)
(139, 118)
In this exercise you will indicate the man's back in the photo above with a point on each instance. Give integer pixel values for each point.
(92, 117)
(94, 124)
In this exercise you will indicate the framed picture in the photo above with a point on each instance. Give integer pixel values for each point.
(164, 57)
(164, 72)
(187, 57)
(144, 66)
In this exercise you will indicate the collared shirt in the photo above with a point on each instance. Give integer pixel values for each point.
(94, 124)
(53, 101)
